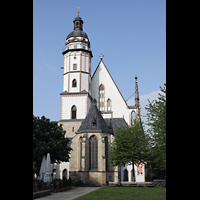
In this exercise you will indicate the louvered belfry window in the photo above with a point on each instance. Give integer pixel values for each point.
(93, 153)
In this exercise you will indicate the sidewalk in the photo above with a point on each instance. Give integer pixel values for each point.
(70, 194)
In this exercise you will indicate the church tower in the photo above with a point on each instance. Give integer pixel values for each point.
(76, 95)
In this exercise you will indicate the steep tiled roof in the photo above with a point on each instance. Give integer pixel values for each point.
(94, 122)
(115, 123)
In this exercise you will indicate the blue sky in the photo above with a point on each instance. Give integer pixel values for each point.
(131, 34)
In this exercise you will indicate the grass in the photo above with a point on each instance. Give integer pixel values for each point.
(127, 193)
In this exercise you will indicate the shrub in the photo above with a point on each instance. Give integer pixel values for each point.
(59, 184)
(54, 184)
(39, 185)
(70, 181)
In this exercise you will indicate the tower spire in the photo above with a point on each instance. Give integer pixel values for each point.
(137, 103)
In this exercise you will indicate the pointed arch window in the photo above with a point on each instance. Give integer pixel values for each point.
(73, 112)
(106, 152)
(93, 153)
(109, 105)
(74, 83)
(101, 97)
(81, 139)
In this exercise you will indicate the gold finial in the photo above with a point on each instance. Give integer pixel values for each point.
(78, 10)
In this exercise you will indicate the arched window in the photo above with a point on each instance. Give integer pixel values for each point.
(81, 139)
(101, 97)
(74, 83)
(109, 105)
(64, 173)
(106, 152)
(73, 111)
(93, 153)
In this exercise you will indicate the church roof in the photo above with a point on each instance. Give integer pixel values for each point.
(77, 33)
(78, 29)
(115, 123)
(94, 122)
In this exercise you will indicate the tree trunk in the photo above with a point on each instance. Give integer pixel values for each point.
(133, 171)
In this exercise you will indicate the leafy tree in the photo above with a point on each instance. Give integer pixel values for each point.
(156, 116)
(48, 137)
(130, 145)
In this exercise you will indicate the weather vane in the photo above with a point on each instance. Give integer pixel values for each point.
(78, 10)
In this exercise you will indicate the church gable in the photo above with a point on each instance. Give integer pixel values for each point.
(108, 98)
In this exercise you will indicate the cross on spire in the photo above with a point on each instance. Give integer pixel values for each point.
(78, 10)
(101, 56)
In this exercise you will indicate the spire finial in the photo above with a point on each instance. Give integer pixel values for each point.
(101, 56)
(78, 10)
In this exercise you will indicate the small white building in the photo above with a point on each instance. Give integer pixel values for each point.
(80, 88)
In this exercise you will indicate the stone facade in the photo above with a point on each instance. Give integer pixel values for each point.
(79, 162)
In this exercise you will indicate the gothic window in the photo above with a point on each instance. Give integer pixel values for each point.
(74, 67)
(106, 152)
(101, 97)
(73, 111)
(93, 153)
(74, 83)
(109, 105)
(81, 139)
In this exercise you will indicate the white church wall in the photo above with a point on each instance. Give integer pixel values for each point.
(84, 82)
(60, 168)
(139, 173)
(80, 101)
(65, 82)
(118, 104)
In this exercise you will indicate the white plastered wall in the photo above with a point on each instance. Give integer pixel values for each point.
(119, 107)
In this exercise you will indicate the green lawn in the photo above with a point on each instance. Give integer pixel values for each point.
(126, 193)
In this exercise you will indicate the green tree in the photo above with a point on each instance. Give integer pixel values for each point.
(48, 137)
(156, 119)
(130, 145)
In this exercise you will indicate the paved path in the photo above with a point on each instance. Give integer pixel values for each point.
(70, 194)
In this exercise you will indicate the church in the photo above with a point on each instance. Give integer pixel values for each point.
(92, 109)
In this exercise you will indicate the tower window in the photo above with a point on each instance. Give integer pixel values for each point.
(74, 66)
(74, 83)
(73, 112)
